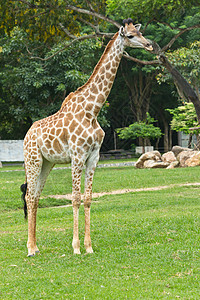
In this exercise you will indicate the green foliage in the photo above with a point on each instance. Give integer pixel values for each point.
(144, 129)
(41, 19)
(31, 88)
(148, 9)
(184, 117)
(187, 60)
(35, 88)
(154, 16)
(103, 116)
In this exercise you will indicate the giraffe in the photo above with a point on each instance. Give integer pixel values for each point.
(73, 135)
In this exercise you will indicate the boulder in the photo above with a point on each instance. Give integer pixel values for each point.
(148, 163)
(173, 164)
(153, 155)
(168, 157)
(177, 149)
(193, 161)
(179, 156)
(155, 164)
(185, 155)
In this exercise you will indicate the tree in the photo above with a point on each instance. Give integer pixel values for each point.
(139, 84)
(68, 22)
(183, 87)
(175, 14)
(163, 97)
(142, 129)
(187, 60)
(39, 87)
(148, 9)
(183, 119)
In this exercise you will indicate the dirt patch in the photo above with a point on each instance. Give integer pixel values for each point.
(124, 191)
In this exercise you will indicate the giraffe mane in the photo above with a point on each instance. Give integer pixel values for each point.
(97, 67)
(67, 99)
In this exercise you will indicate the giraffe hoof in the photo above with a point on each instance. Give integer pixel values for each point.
(33, 251)
(31, 255)
(77, 251)
(89, 250)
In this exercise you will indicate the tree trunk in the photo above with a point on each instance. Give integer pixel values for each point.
(166, 129)
(140, 90)
(190, 140)
(198, 141)
(183, 86)
(140, 141)
(166, 136)
(157, 143)
(170, 139)
(143, 145)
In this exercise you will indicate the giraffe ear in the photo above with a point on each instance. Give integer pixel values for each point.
(121, 31)
(138, 26)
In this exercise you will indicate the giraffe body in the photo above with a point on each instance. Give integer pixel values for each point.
(74, 135)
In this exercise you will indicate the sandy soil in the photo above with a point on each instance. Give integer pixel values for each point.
(124, 191)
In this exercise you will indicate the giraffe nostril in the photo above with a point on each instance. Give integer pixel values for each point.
(149, 46)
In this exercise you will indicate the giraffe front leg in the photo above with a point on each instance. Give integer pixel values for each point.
(76, 202)
(90, 168)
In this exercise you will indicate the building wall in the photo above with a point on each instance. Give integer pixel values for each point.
(183, 140)
(11, 150)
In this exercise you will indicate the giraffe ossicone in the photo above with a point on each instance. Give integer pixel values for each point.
(74, 135)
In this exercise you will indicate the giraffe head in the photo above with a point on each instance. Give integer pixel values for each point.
(132, 36)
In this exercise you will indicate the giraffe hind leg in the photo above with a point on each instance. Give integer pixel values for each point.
(76, 201)
(35, 186)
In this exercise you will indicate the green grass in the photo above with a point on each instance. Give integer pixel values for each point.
(146, 244)
(105, 180)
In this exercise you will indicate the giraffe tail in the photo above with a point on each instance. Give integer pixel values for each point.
(23, 189)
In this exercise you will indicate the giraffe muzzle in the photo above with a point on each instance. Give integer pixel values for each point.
(148, 47)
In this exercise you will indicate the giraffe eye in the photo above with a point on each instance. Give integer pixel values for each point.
(130, 36)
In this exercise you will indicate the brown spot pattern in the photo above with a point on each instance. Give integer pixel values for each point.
(73, 125)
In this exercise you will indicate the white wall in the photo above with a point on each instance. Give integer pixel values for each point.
(11, 150)
(139, 149)
(184, 138)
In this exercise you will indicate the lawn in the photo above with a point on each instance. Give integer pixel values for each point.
(146, 244)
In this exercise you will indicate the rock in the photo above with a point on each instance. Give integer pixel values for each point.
(193, 161)
(168, 157)
(148, 163)
(173, 164)
(155, 164)
(177, 149)
(157, 154)
(185, 155)
(179, 156)
(153, 155)
(1, 165)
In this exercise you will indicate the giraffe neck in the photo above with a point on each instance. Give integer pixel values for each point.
(102, 78)
(97, 88)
